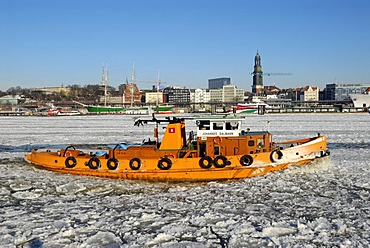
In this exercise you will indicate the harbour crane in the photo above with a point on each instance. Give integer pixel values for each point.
(158, 84)
(270, 74)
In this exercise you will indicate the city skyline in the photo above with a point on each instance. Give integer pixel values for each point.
(49, 43)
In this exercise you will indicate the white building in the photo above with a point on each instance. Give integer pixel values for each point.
(215, 95)
(154, 97)
(310, 94)
(232, 94)
(12, 100)
(200, 96)
(228, 93)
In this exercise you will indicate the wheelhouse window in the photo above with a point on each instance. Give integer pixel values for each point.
(260, 143)
(228, 126)
(232, 125)
(204, 125)
(218, 126)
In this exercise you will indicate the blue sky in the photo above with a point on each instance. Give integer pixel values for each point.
(53, 42)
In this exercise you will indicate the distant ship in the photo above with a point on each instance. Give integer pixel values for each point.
(148, 110)
(105, 108)
(62, 112)
(59, 111)
(249, 108)
(361, 100)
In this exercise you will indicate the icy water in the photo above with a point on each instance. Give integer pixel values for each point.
(324, 204)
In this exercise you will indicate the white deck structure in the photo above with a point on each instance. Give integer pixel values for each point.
(218, 126)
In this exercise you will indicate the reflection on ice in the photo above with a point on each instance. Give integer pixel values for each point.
(323, 204)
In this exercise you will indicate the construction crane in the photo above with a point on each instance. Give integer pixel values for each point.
(158, 84)
(270, 74)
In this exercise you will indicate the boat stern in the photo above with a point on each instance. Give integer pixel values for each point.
(301, 150)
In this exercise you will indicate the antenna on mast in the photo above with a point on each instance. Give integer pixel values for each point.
(106, 73)
(102, 75)
(104, 81)
(133, 72)
(132, 83)
(158, 85)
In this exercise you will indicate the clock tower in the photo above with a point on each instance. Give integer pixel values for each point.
(257, 87)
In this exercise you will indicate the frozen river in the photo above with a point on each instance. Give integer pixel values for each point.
(324, 204)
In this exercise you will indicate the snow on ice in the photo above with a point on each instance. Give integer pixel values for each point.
(325, 203)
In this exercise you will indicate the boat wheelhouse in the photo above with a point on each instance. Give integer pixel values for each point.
(224, 136)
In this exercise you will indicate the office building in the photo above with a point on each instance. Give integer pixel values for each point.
(218, 83)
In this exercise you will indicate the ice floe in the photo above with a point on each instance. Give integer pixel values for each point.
(324, 204)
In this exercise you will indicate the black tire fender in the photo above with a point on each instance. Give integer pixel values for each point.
(69, 160)
(94, 163)
(220, 161)
(164, 163)
(135, 163)
(246, 160)
(325, 153)
(273, 155)
(206, 162)
(112, 163)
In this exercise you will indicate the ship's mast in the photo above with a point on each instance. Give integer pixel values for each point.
(104, 81)
(132, 83)
(158, 85)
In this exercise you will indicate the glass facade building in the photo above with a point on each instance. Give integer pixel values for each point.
(218, 83)
(341, 92)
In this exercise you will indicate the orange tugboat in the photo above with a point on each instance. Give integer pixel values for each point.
(220, 150)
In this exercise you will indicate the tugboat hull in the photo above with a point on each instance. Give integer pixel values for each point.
(168, 168)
